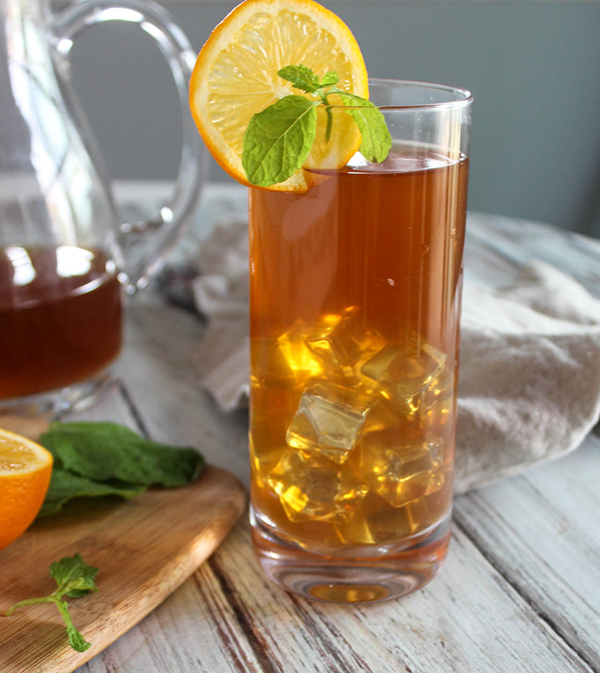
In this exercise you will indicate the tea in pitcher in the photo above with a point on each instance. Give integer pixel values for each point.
(60, 317)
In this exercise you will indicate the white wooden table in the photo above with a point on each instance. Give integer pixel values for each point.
(520, 590)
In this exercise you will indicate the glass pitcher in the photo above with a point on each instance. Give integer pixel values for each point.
(64, 256)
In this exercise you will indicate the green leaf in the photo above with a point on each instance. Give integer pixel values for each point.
(73, 576)
(103, 459)
(376, 138)
(106, 451)
(65, 486)
(301, 77)
(278, 140)
(329, 79)
(329, 123)
(76, 640)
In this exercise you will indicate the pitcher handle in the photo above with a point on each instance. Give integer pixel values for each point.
(157, 22)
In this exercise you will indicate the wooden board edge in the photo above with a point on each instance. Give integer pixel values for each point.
(175, 573)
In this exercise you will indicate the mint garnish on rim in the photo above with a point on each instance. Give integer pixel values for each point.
(278, 140)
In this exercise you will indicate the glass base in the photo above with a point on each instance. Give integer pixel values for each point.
(54, 403)
(347, 580)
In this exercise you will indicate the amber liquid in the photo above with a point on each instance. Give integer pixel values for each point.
(355, 299)
(60, 318)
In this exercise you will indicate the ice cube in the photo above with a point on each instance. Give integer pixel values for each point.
(328, 420)
(269, 402)
(342, 343)
(336, 340)
(374, 523)
(436, 482)
(415, 368)
(377, 367)
(261, 463)
(393, 426)
(337, 344)
(268, 364)
(404, 373)
(417, 515)
(299, 358)
(435, 447)
(313, 488)
(437, 400)
(400, 473)
(357, 531)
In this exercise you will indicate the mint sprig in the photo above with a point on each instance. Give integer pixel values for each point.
(74, 579)
(279, 139)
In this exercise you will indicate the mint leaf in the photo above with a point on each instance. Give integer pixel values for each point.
(305, 79)
(102, 459)
(329, 79)
(76, 640)
(301, 77)
(376, 139)
(65, 486)
(106, 451)
(74, 578)
(278, 140)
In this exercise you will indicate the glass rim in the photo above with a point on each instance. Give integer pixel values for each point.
(465, 97)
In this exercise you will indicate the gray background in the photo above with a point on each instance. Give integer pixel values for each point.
(534, 69)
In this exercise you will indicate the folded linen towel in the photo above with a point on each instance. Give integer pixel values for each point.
(529, 385)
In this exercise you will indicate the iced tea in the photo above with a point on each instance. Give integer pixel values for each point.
(355, 299)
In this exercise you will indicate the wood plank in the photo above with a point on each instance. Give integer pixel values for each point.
(470, 618)
(542, 532)
(229, 619)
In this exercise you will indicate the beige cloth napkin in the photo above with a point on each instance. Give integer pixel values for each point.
(529, 386)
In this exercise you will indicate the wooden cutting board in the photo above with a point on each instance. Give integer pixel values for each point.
(145, 548)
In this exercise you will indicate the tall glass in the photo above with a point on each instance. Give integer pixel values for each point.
(355, 290)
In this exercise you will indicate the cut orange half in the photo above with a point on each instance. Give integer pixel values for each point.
(236, 76)
(25, 470)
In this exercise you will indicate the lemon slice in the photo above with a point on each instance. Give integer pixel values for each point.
(236, 76)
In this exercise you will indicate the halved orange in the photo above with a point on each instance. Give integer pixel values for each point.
(25, 470)
(236, 76)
